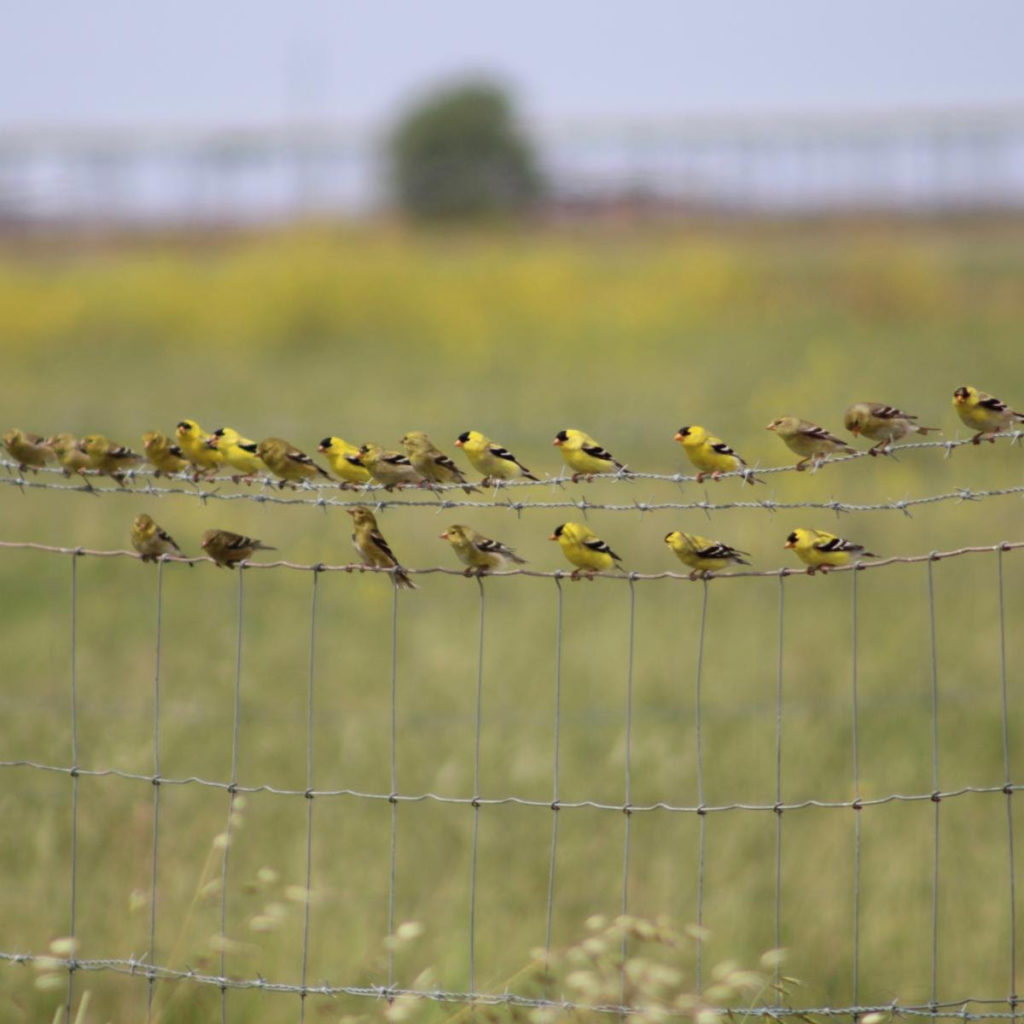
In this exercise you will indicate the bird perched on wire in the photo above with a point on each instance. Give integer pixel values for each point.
(151, 541)
(490, 459)
(193, 441)
(808, 439)
(584, 456)
(30, 451)
(711, 455)
(984, 413)
(163, 456)
(370, 543)
(703, 555)
(343, 458)
(820, 549)
(884, 424)
(392, 469)
(71, 458)
(239, 453)
(479, 553)
(287, 463)
(584, 549)
(108, 458)
(431, 463)
(228, 549)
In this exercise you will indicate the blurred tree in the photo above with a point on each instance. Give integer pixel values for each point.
(458, 154)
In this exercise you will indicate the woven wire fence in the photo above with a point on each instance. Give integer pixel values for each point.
(152, 971)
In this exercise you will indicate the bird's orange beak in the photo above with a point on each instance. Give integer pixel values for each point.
(443, 536)
(458, 444)
(557, 443)
(771, 426)
(211, 441)
(552, 537)
(789, 544)
(855, 431)
(678, 436)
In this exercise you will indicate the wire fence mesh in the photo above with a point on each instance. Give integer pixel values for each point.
(160, 966)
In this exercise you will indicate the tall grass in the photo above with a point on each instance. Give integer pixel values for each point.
(370, 333)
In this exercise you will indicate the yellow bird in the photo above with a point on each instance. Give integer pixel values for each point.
(108, 458)
(165, 457)
(71, 458)
(584, 549)
(28, 450)
(490, 459)
(343, 459)
(711, 455)
(703, 555)
(392, 469)
(431, 463)
(820, 549)
(228, 549)
(884, 424)
(192, 438)
(480, 553)
(984, 413)
(151, 541)
(287, 463)
(584, 456)
(239, 453)
(370, 543)
(808, 439)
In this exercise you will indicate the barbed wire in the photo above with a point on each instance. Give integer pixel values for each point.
(137, 966)
(17, 478)
(557, 574)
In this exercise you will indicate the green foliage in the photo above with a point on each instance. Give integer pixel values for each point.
(459, 155)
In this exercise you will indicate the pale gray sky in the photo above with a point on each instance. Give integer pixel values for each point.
(204, 61)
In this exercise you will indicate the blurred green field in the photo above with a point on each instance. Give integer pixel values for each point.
(368, 333)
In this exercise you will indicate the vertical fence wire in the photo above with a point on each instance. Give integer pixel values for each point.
(702, 817)
(1012, 888)
(628, 781)
(232, 794)
(393, 867)
(552, 864)
(933, 640)
(310, 723)
(478, 721)
(73, 896)
(855, 742)
(778, 776)
(154, 870)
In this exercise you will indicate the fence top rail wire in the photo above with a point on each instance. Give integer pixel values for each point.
(856, 804)
(955, 1010)
(380, 494)
(557, 574)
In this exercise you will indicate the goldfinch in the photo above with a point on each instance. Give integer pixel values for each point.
(584, 549)
(192, 438)
(392, 469)
(984, 413)
(239, 453)
(431, 463)
(703, 555)
(480, 553)
(227, 548)
(584, 456)
(343, 459)
(151, 541)
(884, 424)
(820, 549)
(27, 450)
(286, 462)
(370, 543)
(711, 455)
(490, 459)
(71, 458)
(808, 439)
(165, 457)
(108, 458)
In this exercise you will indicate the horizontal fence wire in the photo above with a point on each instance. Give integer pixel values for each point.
(960, 1009)
(321, 494)
(557, 574)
